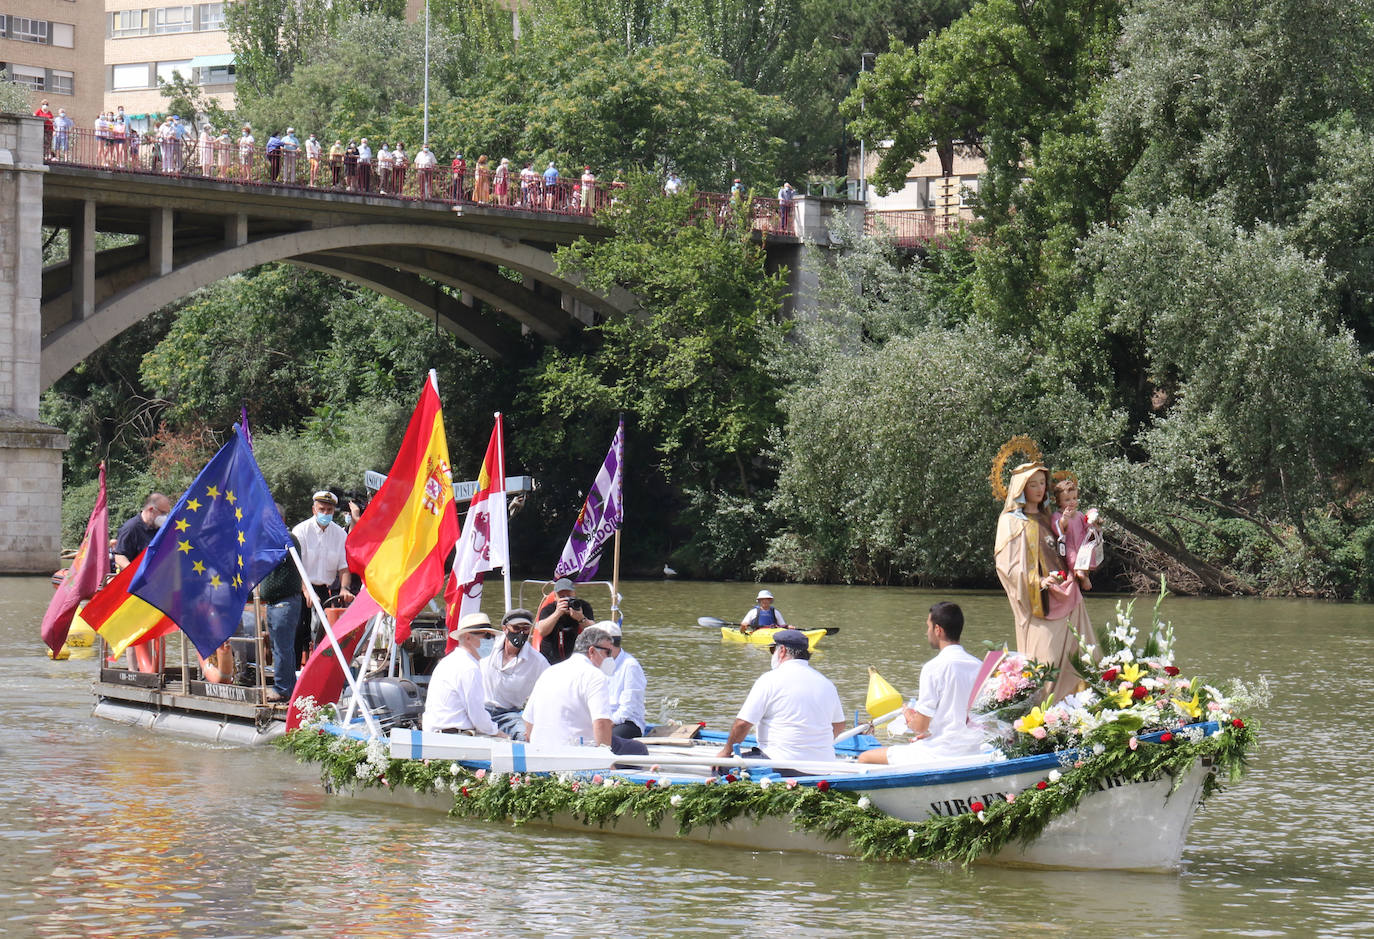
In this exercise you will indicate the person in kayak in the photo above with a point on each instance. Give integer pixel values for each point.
(763, 615)
(796, 709)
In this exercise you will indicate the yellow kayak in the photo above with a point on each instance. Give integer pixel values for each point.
(763, 637)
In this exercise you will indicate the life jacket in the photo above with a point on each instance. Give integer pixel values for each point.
(766, 619)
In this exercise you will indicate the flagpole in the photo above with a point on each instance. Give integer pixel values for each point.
(373, 729)
(501, 461)
(615, 581)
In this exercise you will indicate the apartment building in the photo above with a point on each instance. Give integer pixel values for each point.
(55, 47)
(927, 188)
(150, 41)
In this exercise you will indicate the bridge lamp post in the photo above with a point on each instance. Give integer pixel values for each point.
(426, 134)
(863, 161)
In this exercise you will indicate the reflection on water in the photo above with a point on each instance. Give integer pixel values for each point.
(109, 830)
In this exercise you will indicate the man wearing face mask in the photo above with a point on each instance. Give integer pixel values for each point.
(454, 702)
(509, 672)
(135, 534)
(570, 703)
(322, 554)
(627, 687)
(796, 709)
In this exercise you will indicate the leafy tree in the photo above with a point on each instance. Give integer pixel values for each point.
(14, 98)
(186, 97)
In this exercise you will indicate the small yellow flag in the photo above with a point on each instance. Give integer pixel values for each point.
(882, 697)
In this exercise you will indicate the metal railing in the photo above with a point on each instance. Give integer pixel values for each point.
(911, 228)
(252, 165)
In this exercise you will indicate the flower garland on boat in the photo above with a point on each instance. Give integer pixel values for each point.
(1109, 731)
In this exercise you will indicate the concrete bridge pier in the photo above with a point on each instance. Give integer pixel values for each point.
(30, 451)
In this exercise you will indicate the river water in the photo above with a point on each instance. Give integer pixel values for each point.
(108, 830)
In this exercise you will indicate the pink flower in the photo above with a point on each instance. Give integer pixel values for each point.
(598, 779)
(791, 784)
(1011, 797)
(481, 774)
(1133, 743)
(1039, 733)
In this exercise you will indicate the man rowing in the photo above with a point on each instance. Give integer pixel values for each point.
(763, 615)
(796, 709)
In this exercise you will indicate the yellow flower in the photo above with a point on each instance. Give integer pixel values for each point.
(1189, 708)
(1034, 719)
(1133, 673)
(1122, 696)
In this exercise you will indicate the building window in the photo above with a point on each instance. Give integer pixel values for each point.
(211, 16)
(128, 23)
(216, 75)
(968, 191)
(28, 76)
(172, 20)
(167, 71)
(64, 35)
(60, 82)
(129, 76)
(27, 30)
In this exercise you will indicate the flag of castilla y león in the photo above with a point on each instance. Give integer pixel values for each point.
(400, 543)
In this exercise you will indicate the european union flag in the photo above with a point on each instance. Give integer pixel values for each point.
(223, 536)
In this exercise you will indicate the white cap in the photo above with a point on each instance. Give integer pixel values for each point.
(610, 627)
(764, 595)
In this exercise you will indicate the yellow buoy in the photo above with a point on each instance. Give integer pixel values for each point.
(80, 636)
(882, 697)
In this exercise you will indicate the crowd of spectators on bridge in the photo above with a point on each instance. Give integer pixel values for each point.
(175, 147)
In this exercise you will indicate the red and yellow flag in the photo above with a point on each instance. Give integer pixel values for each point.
(400, 543)
(123, 619)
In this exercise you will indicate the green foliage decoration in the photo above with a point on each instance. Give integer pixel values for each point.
(604, 800)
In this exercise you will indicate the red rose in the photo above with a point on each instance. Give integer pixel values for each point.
(648, 784)
(1238, 723)
(823, 785)
(1138, 692)
(1170, 671)
(1110, 674)
(464, 791)
(976, 807)
(1041, 784)
(730, 777)
(1165, 737)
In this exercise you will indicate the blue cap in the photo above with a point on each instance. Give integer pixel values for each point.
(792, 638)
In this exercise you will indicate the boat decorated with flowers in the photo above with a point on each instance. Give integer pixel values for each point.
(1109, 779)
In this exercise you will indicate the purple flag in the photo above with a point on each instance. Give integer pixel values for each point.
(243, 420)
(601, 517)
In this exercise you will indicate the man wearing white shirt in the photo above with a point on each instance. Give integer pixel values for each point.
(453, 704)
(939, 715)
(796, 709)
(322, 554)
(627, 688)
(570, 703)
(510, 671)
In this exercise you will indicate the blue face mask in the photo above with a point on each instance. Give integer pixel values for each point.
(485, 646)
(324, 518)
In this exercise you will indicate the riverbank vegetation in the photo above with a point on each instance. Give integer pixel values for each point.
(1168, 287)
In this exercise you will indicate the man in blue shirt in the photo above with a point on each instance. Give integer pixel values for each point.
(274, 156)
(550, 186)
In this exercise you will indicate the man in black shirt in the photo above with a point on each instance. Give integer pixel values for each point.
(562, 617)
(282, 592)
(135, 534)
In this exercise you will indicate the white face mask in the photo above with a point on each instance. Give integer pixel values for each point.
(347, 520)
(159, 521)
(607, 665)
(777, 658)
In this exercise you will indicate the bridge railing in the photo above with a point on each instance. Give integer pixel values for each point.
(766, 215)
(910, 228)
(253, 165)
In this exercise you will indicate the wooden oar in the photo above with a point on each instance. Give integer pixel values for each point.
(715, 622)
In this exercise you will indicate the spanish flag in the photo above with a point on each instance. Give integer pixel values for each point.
(121, 618)
(400, 543)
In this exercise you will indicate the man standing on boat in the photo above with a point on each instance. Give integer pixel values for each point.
(796, 709)
(281, 590)
(627, 687)
(135, 534)
(322, 553)
(762, 616)
(939, 717)
(509, 673)
(454, 702)
(562, 617)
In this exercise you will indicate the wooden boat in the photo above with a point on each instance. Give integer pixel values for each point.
(764, 637)
(1120, 824)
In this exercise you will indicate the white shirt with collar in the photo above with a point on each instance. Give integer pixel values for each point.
(565, 701)
(455, 695)
(627, 690)
(322, 550)
(793, 709)
(508, 683)
(946, 684)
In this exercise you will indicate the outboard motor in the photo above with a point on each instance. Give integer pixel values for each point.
(395, 702)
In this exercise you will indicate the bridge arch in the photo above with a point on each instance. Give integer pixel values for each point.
(388, 257)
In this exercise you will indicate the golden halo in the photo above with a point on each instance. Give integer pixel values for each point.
(1019, 444)
(1061, 475)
